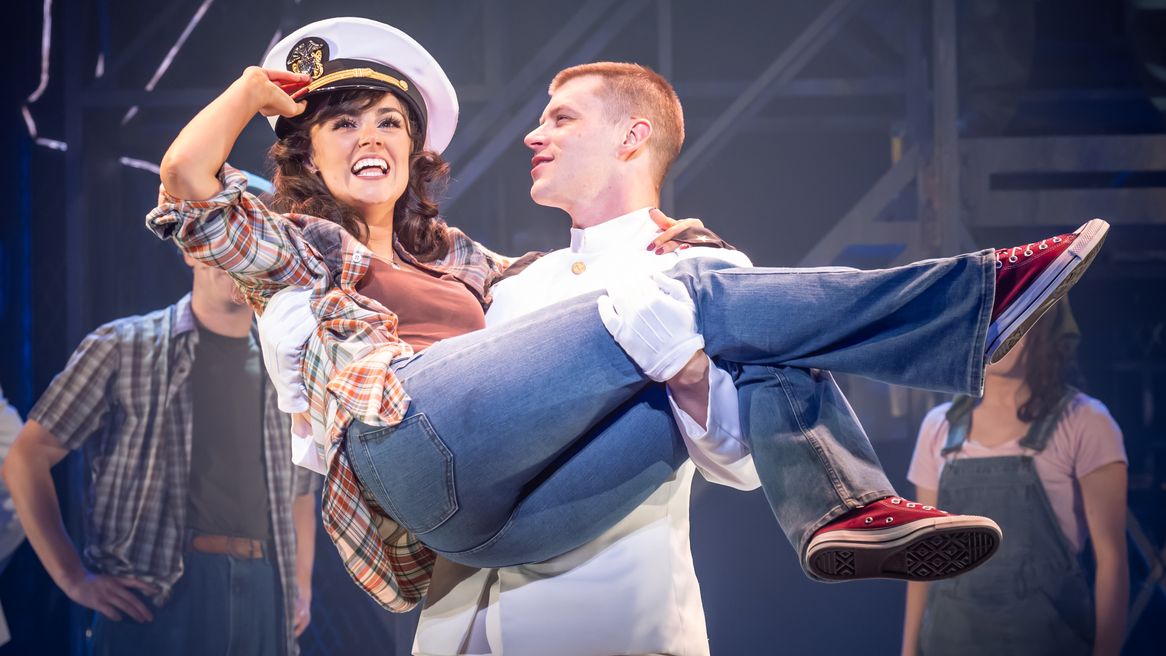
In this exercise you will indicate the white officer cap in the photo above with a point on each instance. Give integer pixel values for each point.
(357, 53)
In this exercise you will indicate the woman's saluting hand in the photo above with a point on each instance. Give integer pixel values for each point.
(190, 168)
(274, 91)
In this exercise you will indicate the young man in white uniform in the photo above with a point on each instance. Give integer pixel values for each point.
(633, 590)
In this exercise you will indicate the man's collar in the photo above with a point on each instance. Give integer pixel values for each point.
(185, 321)
(184, 316)
(613, 232)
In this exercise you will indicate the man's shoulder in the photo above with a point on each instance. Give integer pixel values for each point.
(134, 326)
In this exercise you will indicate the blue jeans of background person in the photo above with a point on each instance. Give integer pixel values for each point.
(474, 469)
(221, 605)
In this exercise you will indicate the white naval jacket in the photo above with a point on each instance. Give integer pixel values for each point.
(633, 590)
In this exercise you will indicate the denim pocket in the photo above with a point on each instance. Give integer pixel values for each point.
(409, 471)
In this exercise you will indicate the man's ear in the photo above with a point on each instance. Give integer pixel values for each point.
(311, 166)
(637, 135)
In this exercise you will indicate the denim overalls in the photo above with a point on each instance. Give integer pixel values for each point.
(1030, 598)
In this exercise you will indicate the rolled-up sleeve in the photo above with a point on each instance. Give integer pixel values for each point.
(719, 452)
(234, 231)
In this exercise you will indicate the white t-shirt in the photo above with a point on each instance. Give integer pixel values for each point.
(1085, 439)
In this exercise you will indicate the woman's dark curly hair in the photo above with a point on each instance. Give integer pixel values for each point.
(299, 190)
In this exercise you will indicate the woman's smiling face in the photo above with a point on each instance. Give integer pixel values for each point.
(363, 155)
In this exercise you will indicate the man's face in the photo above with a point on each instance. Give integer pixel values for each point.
(575, 145)
(216, 287)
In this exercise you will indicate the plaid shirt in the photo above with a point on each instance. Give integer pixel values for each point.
(346, 365)
(125, 396)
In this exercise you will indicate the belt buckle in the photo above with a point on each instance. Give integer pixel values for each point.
(244, 547)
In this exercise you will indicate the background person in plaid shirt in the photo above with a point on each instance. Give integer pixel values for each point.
(199, 531)
(485, 466)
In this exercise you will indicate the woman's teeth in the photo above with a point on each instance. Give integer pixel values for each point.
(370, 167)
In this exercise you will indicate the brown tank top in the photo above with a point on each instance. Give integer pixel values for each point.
(429, 307)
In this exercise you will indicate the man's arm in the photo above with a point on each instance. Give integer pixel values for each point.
(27, 472)
(690, 388)
(708, 415)
(705, 395)
(304, 519)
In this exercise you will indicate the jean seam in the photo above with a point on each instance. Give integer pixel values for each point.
(493, 539)
(807, 433)
(442, 449)
(230, 603)
(978, 356)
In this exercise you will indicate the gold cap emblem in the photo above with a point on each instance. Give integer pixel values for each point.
(308, 56)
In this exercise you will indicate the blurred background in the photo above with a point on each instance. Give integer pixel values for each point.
(865, 133)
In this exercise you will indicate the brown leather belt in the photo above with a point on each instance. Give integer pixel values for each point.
(228, 545)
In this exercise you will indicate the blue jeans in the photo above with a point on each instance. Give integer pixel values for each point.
(812, 455)
(221, 605)
(483, 470)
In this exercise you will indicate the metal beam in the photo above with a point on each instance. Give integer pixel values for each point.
(982, 159)
(1141, 152)
(809, 87)
(1064, 207)
(556, 47)
(1155, 561)
(940, 222)
(524, 118)
(147, 35)
(664, 60)
(858, 226)
(782, 69)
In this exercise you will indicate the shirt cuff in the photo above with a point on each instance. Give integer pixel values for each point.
(171, 213)
(720, 451)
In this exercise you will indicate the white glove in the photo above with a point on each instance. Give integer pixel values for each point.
(284, 329)
(654, 320)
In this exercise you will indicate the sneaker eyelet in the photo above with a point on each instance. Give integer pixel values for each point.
(929, 507)
(1056, 240)
(911, 505)
(999, 264)
(1043, 246)
(868, 520)
(1012, 259)
(896, 501)
(1028, 253)
(890, 519)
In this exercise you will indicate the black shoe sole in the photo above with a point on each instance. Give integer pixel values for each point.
(942, 554)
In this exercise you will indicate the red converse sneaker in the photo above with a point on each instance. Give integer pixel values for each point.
(1031, 278)
(894, 538)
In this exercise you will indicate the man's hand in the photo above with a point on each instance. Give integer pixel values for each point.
(671, 228)
(654, 322)
(112, 596)
(303, 610)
